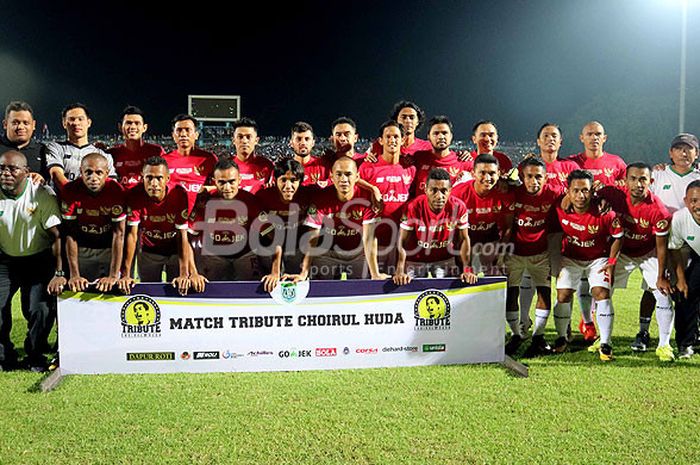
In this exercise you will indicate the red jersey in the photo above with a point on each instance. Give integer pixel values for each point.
(427, 160)
(587, 235)
(530, 216)
(432, 233)
(488, 214)
(158, 222)
(256, 172)
(642, 222)
(317, 171)
(235, 216)
(504, 162)
(341, 220)
(558, 172)
(292, 214)
(608, 169)
(94, 212)
(394, 181)
(191, 171)
(129, 163)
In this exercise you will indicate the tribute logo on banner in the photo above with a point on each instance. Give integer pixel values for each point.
(432, 311)
(140, 317)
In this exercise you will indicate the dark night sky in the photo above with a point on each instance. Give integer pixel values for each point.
(516, 62)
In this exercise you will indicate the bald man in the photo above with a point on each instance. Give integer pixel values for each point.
(93, 211)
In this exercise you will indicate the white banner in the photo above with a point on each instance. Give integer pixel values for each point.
(312, 326)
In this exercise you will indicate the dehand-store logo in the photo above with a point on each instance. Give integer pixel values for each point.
(140, 317)
(432, 311)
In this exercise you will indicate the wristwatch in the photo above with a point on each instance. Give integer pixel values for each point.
(59, 274)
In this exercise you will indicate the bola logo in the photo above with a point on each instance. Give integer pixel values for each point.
(140, 317)
(432, 311)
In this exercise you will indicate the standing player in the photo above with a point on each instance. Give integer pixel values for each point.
(534, 200)
(670, 184)
(221, 224)
(490, 214)
(607, 170)
(485, 139)
(190, 166)
(342, 217)
(63, 158)
(284, 207)
(129, 156)
(427, 236)
(255, 171)
(646, 222)
(440, 135)
(685, 231)
(411, 117)
(19, 125)
(394, 182)
(157, 215)
(549, 141)
(586, 251)
(93, 212)
(317, 171)
(343, 139)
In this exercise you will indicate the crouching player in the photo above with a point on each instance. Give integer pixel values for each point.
(157, 215)
(534, 201)
(425, 244)
(646, 222)
(586, 252)
(93, 212)
(343, 219)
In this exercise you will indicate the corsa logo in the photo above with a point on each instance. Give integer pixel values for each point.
(326, 352)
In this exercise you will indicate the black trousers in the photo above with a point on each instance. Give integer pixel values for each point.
(686, 320)
(31, 275)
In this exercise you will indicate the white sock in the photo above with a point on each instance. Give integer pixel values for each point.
(541, 316)
(513, 320)
(664, 317)
(562, 318)
(527, 293)
(585, 301)
(605, 316)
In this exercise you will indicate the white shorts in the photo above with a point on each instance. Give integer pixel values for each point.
(648, 264)
(442, 269)
(554, 249)
(536, 266)
(573, 270)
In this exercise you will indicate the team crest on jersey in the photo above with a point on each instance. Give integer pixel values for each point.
(315, 177)
(616, 223)
(322, 184)
(356, 215)
(184, 214)
(593, 229)
(497, 208)
(562, 177)
(259, 175)
(117, 210)
(406, 178)
(312, 209)
(608, 172)
(198, 170)
(170, 217)
(453, 171)
(104, 210)
(662, 224)
(64, 207)
(643, 223)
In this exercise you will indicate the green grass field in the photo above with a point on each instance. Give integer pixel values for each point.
(572, 409)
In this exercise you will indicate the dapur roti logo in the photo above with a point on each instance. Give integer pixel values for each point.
(432, 310)
(140, 317)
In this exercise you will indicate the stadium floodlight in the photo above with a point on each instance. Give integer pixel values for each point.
(684, 46)
(216, 108)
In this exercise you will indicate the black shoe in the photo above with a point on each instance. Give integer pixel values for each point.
(641, 342)
(606, 352)
(513, 344)
(36, 365)
(53, 363)
(560, 345)
(539, 346)
(685, 352)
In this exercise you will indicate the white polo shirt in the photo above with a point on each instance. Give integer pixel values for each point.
(25, 219)
(68, 156)
(684, 229)
(670, 186)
